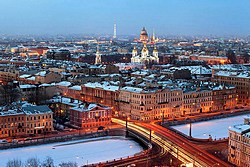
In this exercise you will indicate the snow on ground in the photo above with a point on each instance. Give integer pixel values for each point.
(217, 128)
(79, 151)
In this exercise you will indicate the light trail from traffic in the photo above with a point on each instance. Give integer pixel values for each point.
(180, 148)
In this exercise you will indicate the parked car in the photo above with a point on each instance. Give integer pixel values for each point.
(28, 138)
(14, 141)
(3, 141)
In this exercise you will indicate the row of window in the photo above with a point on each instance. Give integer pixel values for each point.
(38, 117)
(12, 131)
(15, 119)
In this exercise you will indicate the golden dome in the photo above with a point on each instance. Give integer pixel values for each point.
(155, 49)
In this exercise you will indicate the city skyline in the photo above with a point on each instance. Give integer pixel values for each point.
(224, 18)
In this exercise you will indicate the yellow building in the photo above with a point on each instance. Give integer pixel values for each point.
(197, 101)
(142, 104)
(25, 119)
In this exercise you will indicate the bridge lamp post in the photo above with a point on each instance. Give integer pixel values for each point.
(162, 116)
(190, 129)
(150, 135)
(127, 119)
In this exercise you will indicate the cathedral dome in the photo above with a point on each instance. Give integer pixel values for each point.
(143, 35)
(144, 32)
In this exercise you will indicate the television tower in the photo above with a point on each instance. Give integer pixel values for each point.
(114, 36)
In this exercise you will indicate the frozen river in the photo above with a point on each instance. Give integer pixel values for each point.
(75, 151)
(217, 128)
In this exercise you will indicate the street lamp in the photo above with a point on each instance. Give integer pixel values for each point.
(162, 114)
(150, 135)
(190, 129)
(77, 157)
(127, 119)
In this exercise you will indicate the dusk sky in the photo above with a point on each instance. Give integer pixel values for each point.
(166, 17)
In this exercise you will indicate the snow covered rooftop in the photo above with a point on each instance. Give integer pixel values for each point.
(88, 107)
(64, 83)
(36, 109)
(194, 69)
(31, 78)
(65, 100)
(141, 73)
(132, 89)
(233, 74)
(25, 76)
(27, 86)
(25, 108)
(103, 85)
(76, 87)
(41, 73)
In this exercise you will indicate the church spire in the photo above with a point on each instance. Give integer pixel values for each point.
(98, 58)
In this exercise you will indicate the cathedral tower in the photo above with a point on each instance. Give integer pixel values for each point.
(134, 52)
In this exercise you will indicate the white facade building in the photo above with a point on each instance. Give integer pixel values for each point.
(145, 57)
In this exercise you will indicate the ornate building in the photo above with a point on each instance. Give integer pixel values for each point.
(144, 35)
(144, 57)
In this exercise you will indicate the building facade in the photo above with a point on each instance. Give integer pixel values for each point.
(239, 79)
(239, 144)
(141, 104)
(25, 120)
(90, 115)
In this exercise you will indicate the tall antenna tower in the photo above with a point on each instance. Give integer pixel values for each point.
(114, 36)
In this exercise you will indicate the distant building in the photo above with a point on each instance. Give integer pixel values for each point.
(8, 74)
(239, 144)
(144, 35)
(211, 59)
(47, 77)
(60, 54)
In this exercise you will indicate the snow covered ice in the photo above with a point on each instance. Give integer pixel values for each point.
(75, 151)
(217, 128)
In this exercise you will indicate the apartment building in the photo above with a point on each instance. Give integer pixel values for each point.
(239, 144)
(239, 79)
(102, 93)
(89, 115)
(143, 104)
(197, 101)
(24, 119)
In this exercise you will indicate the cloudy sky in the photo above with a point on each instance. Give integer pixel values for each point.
(173, 17)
